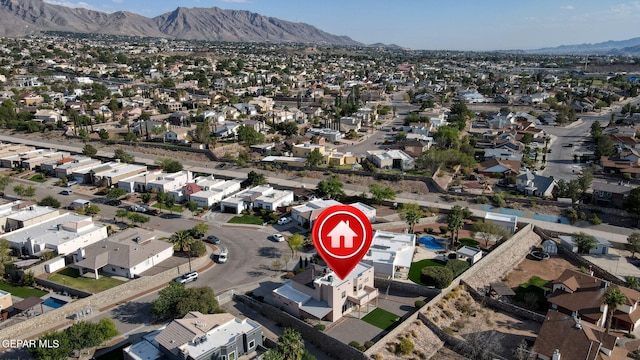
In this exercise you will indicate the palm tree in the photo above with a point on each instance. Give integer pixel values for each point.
(613, 298)
(631, 282)
(454, 224)
(182, 240)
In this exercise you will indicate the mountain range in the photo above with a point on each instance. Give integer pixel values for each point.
(25, 17)
(622, 47)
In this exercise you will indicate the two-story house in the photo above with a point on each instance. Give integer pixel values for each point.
(317, 293)
(535, 185)
(607, 194)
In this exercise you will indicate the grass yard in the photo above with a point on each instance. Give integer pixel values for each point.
(247, 219)
(416, 269)
(469, 242)
(71, 277)
(381, 319)
(39, 178)
(533, 292)
(21, 291)
(174, 208)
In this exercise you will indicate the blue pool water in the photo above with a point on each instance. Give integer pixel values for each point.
(430, 243)
(54, 303)
(551, 218)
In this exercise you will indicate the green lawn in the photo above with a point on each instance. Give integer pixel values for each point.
(247, 219)
(71, 277)
(469, 242)
(382, 319)
(174, 208)
(416, 269)
(21, 291)
(39, 178)
(534, 287)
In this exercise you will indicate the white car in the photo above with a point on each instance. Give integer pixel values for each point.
(278, 237)
(223, 256)
(284, 220)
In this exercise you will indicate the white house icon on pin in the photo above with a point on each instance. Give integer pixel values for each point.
(340, 232)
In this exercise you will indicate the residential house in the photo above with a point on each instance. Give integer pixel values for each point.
(264, 197)
(535, 185)
(20, 214)
(569, 338)
(578, 294)
(211, 192)
(317, 293)
(63, 235)
(303, 150)
(329, 134)
(469, 254)
(5, 300)
(112, 176)
(127, 254)
(415, 148)
(34, 161)
(199, 337)
(349, 123)
(391, 254)
(46, 116)
(509, 222)
(608, 194)
(138, 183)
(228, 129)
(495, 166)
(286, 160)
(170, 182)
(391, 159)
(601, 248)
(246, 109)
(177, 134)
(63, 171)
(306, 214)
(179, 118)
(502, 154)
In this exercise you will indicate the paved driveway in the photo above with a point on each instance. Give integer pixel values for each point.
(352, 329)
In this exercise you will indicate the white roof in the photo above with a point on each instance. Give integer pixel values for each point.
(292, 294)
(501, 217)
(316, 204)
(468, 251)
(31, 212)
(126, 169)
(331, 279)
(220, 336)
(47, 232)
(392, 248)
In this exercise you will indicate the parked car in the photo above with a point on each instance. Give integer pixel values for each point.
(70, 183)
(212, 239)
(187, 278)
(278, 237)
(66, 192)
(113, 202)
(197, 235)
(284, 220)
(223, 256)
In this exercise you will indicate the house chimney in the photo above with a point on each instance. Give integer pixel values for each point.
(556, 355)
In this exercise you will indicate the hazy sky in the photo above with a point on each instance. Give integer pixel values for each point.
(431, 24)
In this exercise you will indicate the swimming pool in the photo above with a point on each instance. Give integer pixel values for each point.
(54, 302)
(430, 243)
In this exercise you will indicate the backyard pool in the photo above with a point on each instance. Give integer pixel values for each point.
(430, 243)
(54, 303)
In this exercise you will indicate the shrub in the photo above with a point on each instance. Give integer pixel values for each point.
(356, 345)
(482, 200)
(459, 324)
(378, 356)
(197, 248)
(28, 279)
(573, 217)
(595, 220)
(448, 330)
(429, 230)
(443, 229)
(419, 303)
(464, 307)
(439, 277)
(498, 200)
(457, 267)
(320, 327)
(368, 344)
(406, 346)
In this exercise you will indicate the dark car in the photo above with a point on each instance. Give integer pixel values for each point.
(212, 239)
(113, 202)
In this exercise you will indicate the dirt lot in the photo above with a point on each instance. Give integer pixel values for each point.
(548, 269)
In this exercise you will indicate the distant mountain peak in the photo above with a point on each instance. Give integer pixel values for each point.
(24, 17)
(610, 47)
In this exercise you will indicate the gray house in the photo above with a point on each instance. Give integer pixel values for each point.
(199, 337)
(535, 185)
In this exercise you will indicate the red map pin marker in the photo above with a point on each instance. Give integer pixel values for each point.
(342, 236)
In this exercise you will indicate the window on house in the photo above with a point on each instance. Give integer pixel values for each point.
(232, 356)
(360, 287)
(344, 294)
(252, 344)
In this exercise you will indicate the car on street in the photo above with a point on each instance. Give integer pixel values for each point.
(223, 256)
(66, 192)
(212, 239)
(187, 278)
(278, 237)
(284, 220)
(113, 202)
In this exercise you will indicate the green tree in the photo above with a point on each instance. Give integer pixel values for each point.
(92, 209)
(249, 136)
(89, 150)
(107, 329)
(291, 344)
(169, 201)
(129, 136)
(197, 248)
(59, 352)
(165, 305)
(122, 213)
(146, 198)
(161, 197)
(604, 146)
(5, 180)
(330, 188)
(136, 218)
(116, 193)
(5, 250)
(28, 279)
(19, 190)
(633, 201)
(295, 243)
(613, 298)
(455, 222)
(380, 193)
(489, 231)
(584, 242)
(584, 181)
(315, 157)
(631, 282)
(596, 130)
(181, 240)
(49, 201)
(200, 299)
(169, 165)
(255, 179)
(191, 205)
(633, 243)
(123, 156)
(103, 134)
(200, 228)
(410, 213)
(84, 135)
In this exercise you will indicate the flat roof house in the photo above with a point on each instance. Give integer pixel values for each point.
(19, 214)
(63, 171)
(391, 159)
(127, 254)
(306, 214)
(602, 245)
(212, 192)
(113, 176)
(510, 222)
(138, 182)
(199, 337)
(63, 234)
(390, 253)
(169, 182)
(264, 197)
(317, 293)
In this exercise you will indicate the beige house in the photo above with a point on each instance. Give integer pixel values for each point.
(5, 300)
(317, 293)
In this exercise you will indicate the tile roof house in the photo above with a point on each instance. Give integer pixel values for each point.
(535, 185)
(493, 166)
(565, 337)
(199, 336)
(582, 295)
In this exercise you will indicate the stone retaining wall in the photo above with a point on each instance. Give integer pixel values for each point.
(331, 346)
(31, 327)
(63, 288)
